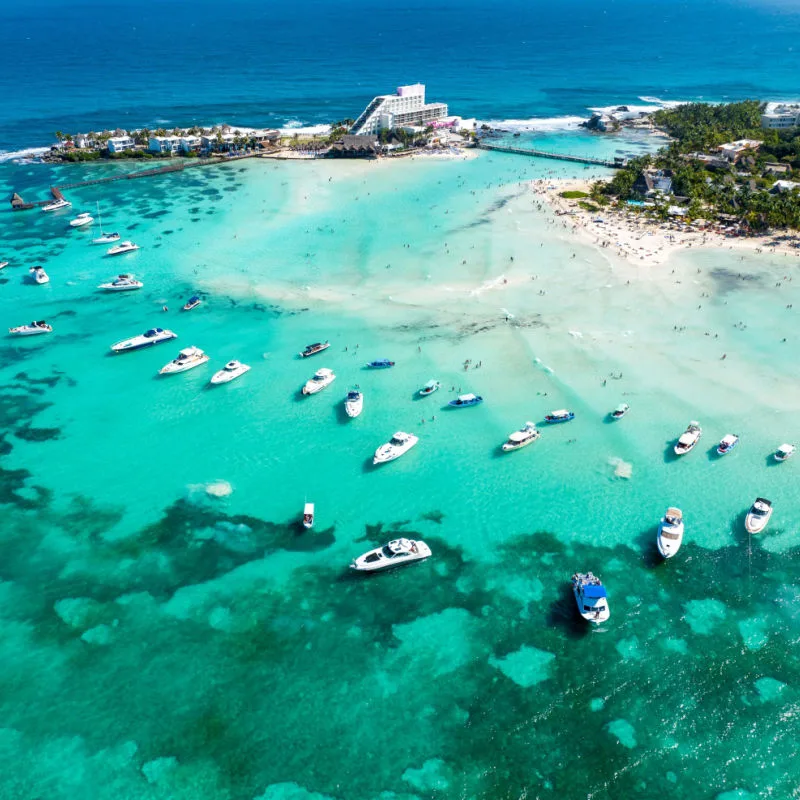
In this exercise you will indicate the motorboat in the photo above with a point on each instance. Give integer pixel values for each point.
(380, 363)
(464, 400)
(561, 415)
(123, 247)
(106, 238)
(308, 516)
(147, 339)
(526, 435)
(394, 554)
(191, 303)
(81, 221)
(688, 439)
(727, 443)
(354, 402)
(670, 532)
(122, 283)
(233, 369)
(758, 515)
(397, 446)
(313, 349)
(590, 595)
(34, 329)
(620, 411)
(3, 264)
(429, 388)
(39, 275)
(322, 378)
(784, 452)
(57, 205)
(188, 358)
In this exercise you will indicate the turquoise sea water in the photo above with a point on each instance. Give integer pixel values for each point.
(163, 641)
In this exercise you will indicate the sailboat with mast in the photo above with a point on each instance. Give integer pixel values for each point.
(104, 238)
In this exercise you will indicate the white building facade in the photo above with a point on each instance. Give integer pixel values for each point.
(119, 144)
(406, 107)
(164, 144)
(780, 116)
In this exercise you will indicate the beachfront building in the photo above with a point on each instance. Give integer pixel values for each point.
(733, 151)
(651, 182)
(120, 144)
(780, 116)
(164, 144)
(359, 146)
(190, 144)
(406, 107)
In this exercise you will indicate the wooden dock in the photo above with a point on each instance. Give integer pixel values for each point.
(528, 151)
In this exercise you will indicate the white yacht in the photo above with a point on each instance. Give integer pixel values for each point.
(394, 554)
(758, 515)
(354, 402)
(322, 378)
(147, 339)
(122, 247)
(122, 283)
(57, 205)
(688, 439)
(188, 358)
(34, 329)
(670, 532)
(590, 595)
(308, 516)
(526, 435)
(784, 452)
(3, 264)
(106, 238)
(397, 446)
(39, 275)
(620, 411)
(81, 221)
(233, 369)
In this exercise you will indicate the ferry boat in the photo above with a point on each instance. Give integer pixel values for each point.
(429, 388)
(57, 205)
(322, 378)
(590, 595)
(397, 446)
(34, 329)
(313, 349)
(354, 402)
(758, 515)
(728, 442)
(308, 516)
(39, 275)
(688, 439)
(233, 369)
(464, 400)
(670, 532)
(147, 339)
(188, 358)
(191, 303)
(122, 283)
(620, 411)
(521, 438)
(394, 554)
(81, 220)
(380, 363)
(123, 247)
(784, 452)
(561, 415)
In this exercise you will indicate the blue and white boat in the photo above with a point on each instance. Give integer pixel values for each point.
(590, 595)
(561, 415)
(147, 339)
(192, 302)
(729, 441)
(380, 363)
(464, 400)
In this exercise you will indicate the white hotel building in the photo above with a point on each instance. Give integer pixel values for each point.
(780, 116)
(406, 107)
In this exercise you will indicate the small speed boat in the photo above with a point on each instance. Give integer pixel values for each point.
(354, 402)
(590, 595)
(34, 329)
(521, 438)
(191, 303)
(620, 411)
(688, 439)
(3, 264)
(784, 452)
(397, 446)
(233, 369)
(322, 378)
(81, 221)
(122, 283)
(57, 205)
(670, 532)
(188, 358)
(39, 275)
(123, 247)
(728, 442)
(313, 349)
(561, 415)
(429, 388)
(308, 516)
(393, 554)
(758, 515)
(106, 238)
(380, 363)
(147, 339)
(464, 400)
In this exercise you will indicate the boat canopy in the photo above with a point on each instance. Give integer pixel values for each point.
(786, 448)
(520, 436)
(674, 512)
(193, 299)
(430, 385)
(686, 437)
(562, 412)
(464, 398)
(594, 591)
(729, 438)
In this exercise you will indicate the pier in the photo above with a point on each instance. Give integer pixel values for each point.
(528, 151)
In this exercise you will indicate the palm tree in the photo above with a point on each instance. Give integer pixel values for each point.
(59, 135)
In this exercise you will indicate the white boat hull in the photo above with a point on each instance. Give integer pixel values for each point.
(354, 407)
(362, 565)
(669, 547)
(227, 375)
(755, 523)
(172, 369)
(110, 287)
(313, 387)
(26, 331)
(595, 617)
(80, 223)
(389, 452)
(105, 240)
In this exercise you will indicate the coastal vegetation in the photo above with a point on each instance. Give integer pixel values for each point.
(574, 194)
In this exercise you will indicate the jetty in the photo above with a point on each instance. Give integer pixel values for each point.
(616, 163)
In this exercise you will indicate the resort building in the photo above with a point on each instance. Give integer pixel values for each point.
(351, 146)
(189, 144)
(780, 116)
(733, 151)
(120, 144)
(164, 144)
(651, 182)
(406, 107)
